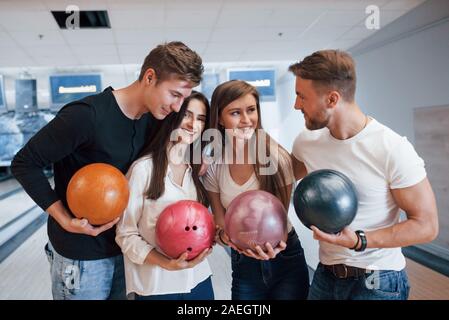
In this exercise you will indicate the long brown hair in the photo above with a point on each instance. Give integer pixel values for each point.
(230, 91)
(157, 148)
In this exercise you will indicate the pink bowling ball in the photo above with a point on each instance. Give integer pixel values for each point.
(255, 218)
(185, 226)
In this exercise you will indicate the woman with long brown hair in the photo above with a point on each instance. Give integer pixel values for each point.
(273, 273)
(157, 179)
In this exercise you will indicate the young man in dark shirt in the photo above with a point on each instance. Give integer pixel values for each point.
(110, 127)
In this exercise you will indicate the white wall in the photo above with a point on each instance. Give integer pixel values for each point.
(400, 71)
(292, 123)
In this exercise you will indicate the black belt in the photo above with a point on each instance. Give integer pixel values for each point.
(343, 271)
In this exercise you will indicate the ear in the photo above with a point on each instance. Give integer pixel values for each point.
(150, 76)
(333, 98)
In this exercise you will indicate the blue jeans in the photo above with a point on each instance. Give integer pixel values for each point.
(202, 291)
(377, 285)
(102, 279)
(285, 277)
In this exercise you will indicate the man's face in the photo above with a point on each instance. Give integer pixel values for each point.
(312, 104)
(163, 97)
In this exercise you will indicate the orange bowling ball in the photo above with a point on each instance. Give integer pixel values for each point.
(98, 192)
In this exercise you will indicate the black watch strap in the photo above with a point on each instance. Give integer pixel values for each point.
(219, 236)
(362, 237)
(357, 243)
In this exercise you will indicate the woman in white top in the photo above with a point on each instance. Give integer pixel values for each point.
(273, 273)
(156, 180)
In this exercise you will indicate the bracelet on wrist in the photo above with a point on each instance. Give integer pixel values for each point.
(361, 234)
(219, 236)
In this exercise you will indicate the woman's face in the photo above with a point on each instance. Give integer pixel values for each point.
(241, 117)
(194, 121)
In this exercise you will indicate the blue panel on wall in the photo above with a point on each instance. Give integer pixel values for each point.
(68, 88)
(263, 80)
(26, 95)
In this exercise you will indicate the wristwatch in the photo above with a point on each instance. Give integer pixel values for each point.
(362, 237)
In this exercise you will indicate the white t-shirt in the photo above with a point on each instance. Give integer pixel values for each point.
(135, 234)
(376, 160)
(218, 179)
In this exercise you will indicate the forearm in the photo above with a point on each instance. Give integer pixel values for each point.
(418, 202)
(154, 257)
(60, 214)
(219, 220)
(403, 234)
(421, 225)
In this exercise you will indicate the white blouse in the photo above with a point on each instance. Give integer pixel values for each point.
(135, 234)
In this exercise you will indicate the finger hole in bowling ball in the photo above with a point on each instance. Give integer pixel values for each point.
(189, 249)
(194, 228)
(174, 226)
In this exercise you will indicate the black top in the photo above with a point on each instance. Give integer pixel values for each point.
(90, 130)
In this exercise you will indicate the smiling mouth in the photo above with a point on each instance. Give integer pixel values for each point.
(189, 132)
(246, 131)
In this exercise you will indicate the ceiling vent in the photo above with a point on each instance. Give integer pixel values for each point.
(87, 19)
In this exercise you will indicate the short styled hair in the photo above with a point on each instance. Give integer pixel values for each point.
(174, 59)
(329, 69)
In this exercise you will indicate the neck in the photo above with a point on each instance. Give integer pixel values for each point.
(130, 100)
(347, 121)
(240, 147)
(176, 153)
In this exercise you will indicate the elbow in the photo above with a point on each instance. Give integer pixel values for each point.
(16, 165)
(432, 230)
(433, 233)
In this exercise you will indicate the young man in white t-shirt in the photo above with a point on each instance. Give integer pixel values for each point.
(364, 260)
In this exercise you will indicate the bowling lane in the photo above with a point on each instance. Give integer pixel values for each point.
(15, 201)
(26, 272)
(7, 186)
(13, 206)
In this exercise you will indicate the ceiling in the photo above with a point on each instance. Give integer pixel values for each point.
(219, 30)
